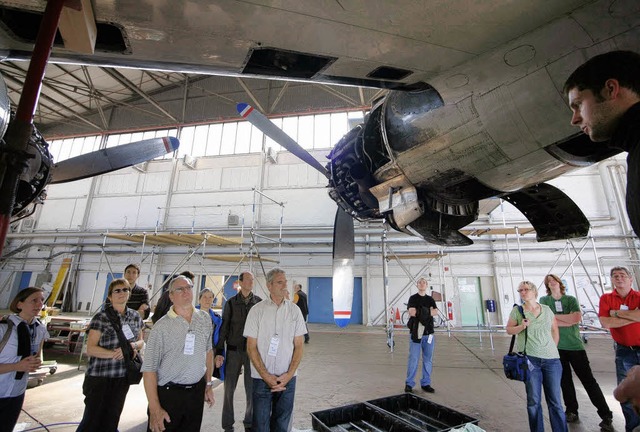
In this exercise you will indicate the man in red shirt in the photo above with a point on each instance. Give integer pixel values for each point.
(620, 312)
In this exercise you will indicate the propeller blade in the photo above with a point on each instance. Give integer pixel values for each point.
(260, 121)
(343, 253)
(112, 158)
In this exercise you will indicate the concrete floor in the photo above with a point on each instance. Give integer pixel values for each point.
(349, 366)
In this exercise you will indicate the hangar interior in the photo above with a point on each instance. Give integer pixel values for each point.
(276, 205)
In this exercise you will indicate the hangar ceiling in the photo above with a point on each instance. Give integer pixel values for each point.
(84, 100)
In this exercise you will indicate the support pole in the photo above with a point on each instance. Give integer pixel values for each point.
(15, 157)
(385, 278)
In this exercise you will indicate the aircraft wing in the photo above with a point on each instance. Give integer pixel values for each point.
(380, 44)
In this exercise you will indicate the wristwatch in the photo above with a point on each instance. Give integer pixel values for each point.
(209, 383)
(615, 314)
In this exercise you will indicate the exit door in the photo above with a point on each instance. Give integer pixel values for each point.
(471, 310)
(321, 304)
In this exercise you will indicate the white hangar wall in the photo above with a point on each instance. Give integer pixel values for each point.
(197, 195)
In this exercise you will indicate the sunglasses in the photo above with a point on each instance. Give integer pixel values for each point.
(521, 290)
(120, 290)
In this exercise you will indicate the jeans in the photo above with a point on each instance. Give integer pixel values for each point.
(579, 361)
(272, 411)
(545, 373)
(427, 360)
(626, 358)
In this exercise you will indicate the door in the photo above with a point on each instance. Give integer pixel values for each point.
(321, 305)
(471, 310)
(231, 288)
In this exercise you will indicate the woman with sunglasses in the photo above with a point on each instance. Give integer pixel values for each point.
(545, 369)
(21, 352)
(105, 384)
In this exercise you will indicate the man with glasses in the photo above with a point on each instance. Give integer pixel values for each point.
(179, 351)
(620, 313)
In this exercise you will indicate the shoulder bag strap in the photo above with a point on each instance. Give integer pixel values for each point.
(7, 334)
(124, 343)
(525, 330)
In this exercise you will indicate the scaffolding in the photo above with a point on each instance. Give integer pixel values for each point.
(198, 242)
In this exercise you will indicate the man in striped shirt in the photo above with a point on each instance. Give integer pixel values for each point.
(178, 363)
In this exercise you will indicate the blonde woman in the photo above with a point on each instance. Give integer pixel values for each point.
(545, 369)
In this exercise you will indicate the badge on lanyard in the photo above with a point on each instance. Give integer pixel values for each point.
(624, 307)
(189, 343)
(273, 346)
(558, 306)
(127, 331)
(430, 338)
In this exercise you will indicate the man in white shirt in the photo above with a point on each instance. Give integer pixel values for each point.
(275, 332)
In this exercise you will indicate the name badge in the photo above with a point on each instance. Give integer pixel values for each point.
(430, 338)
(127, 331)
(558, 306)
(273, 346)
(624, 307)
(189, 343)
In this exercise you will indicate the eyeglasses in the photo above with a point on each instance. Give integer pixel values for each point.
(521, 290)
(120, 290)
(180, 290)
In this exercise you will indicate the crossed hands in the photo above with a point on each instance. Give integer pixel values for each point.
(278, 383)
(29, 364)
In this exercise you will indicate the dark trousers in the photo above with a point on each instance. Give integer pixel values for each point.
(579, 361)
(10, 411)
(233, 364)
(184, 404)
(103, 402)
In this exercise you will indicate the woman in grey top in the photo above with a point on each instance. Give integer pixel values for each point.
(545, 369)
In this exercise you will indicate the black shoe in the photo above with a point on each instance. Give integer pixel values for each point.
(428, 389)
(408, 389)
(606, 425)
(306, 341)
(572, 417)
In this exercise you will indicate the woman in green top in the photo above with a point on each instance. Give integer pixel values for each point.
(545, 369)
(573, 354)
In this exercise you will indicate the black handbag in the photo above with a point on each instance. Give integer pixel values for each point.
(516, 364)
(133, 364)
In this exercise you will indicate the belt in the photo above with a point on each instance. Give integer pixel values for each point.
(632, 347)
(172, 385)
(234, 348)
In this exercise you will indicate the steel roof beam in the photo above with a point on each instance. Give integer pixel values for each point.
(128, 84)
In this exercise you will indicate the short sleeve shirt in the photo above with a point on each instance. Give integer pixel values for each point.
(108, 367)
(628, 335)
(569, 336)
(266, 321)
(539, 340)
(9, 385)
(165, 353)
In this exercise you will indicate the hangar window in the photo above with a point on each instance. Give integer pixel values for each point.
(313, 132)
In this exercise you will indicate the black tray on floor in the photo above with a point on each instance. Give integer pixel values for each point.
(358, 417)
(402, 413)
(422, 413)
